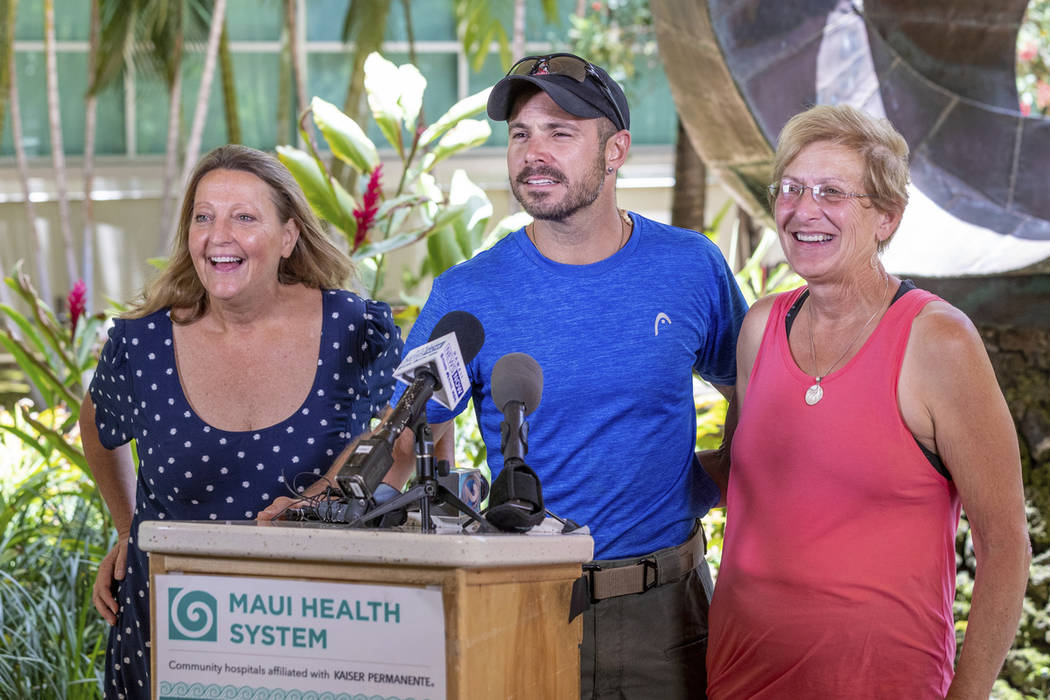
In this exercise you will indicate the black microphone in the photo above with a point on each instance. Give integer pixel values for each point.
(517, 386)
(516, 499)
(327, 511)
(436, 366)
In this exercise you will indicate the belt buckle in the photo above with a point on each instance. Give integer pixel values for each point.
(589, 568)
(649, 563)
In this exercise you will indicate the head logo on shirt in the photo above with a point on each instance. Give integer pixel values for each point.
(192, 615)
(660, 318)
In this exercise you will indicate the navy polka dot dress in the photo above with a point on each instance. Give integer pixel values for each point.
(189, 470)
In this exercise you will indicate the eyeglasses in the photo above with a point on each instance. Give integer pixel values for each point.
(792, 192)
(569, 65)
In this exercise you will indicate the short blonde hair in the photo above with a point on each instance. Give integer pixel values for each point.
(884, 150)
(314, 262)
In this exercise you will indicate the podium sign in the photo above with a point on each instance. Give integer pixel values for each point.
(228, 636)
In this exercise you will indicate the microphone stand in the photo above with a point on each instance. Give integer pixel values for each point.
(428, 490)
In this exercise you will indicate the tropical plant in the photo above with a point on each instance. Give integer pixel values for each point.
(56, 357)
(53, 532)
(381, 220)
(1033, 59)
(54, 528)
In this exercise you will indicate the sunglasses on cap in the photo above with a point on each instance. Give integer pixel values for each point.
(569, 65)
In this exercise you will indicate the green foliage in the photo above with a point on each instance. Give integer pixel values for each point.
(53, 532)
(55, 360)
(615, 34)
(1033, 59)
(757, 279)
(377, 220)
(54, 528)
(479, 23)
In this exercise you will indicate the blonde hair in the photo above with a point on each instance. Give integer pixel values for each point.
(884, 150)
(314, 261)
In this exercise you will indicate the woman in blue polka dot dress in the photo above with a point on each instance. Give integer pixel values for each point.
(241, 368)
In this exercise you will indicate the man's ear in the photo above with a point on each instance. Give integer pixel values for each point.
(616, 149)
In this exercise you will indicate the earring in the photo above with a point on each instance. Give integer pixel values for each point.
(874, 260)
(608, 170)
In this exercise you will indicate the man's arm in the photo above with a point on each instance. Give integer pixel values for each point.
(951, 381)
(716, 462)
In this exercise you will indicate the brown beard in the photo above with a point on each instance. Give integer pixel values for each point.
(580, 194)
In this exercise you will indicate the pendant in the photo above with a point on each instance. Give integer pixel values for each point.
(814, 394)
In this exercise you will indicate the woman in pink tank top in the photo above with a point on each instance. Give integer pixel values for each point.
(869, 413)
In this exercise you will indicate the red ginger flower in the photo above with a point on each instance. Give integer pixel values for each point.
(77, 303)
(366, 213)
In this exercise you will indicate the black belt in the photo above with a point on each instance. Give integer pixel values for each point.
(609, 579)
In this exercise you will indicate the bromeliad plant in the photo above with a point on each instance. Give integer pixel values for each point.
(382, 217)
(53, 526)
(57, 358)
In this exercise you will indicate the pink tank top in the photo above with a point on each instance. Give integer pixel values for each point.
(838, 567)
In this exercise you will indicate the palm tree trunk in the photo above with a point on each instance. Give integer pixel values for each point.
(90, 107)
(291, 20)
(7, 45)
(517, 43)
(7, 69)
(39, 249)
(172, 148)
(364, 25)
(200, 113)
(285, 77)
(690, 184)
(54, 120)
(229, 88)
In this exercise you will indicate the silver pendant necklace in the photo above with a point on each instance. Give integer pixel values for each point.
(816, 392)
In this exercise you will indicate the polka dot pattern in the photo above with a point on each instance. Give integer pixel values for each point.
(189, 470)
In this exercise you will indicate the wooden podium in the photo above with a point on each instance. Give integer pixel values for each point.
(505, 596)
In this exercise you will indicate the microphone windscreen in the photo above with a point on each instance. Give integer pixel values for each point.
(469, 334)
(517, 377)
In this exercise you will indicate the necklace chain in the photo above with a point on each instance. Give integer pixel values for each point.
(816, 392)
(625, 225)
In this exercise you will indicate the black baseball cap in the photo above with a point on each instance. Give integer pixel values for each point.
(576, 85)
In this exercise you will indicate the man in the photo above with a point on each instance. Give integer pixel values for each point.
(618, 311)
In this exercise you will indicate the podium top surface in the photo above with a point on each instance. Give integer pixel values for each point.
(312, 541)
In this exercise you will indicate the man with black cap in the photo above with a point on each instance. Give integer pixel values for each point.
(619, 311)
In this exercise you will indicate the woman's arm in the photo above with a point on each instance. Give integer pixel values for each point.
(948, 389)
(114, 474)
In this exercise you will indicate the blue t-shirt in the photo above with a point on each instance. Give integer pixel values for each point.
(614, 435)
(189, 470)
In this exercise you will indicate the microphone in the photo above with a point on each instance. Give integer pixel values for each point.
(517, 386)
(516, 500)
(467, 484)
(328, 511)
(456, 339)
(436, 366)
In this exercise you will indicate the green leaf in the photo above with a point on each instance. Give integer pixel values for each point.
(405, 200)
(346, 139)
(464, 109)
(371, 250)
(395, 96)
(467, 134)
(28, 330)
(442, 251)
(36, 371)
(27, 439)
(477, 211)
(57, 441)
(327, 197)
(504, 226)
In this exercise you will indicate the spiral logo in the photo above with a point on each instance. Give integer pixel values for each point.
(192, 615)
